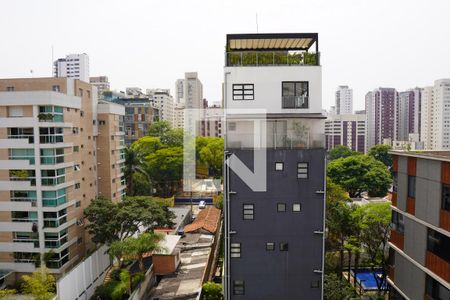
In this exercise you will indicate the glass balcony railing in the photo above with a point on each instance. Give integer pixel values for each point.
(55, 222)
(271, 58)
(34, 241)
(56, 243)
(279, 141)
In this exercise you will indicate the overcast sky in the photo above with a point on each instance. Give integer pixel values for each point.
(149, 44)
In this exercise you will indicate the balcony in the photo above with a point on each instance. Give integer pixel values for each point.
(271, 58)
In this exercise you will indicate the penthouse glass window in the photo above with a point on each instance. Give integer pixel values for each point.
(438, 244)
(412, 186)
(249, 211)
(295, 94)
(446, 197)
(397, 222)
(243, 91)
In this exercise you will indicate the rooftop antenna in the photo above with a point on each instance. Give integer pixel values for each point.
(257, 31)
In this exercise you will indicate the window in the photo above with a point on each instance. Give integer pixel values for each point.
(78, 204)
(446, 197)
(270, 246)
(397, 222)
(235, 250)
(315, 284)
(279, 166)
(395, 182)
(439, 244)
(302, 170)
(80, 92)
(10, 88)
(55, 88)
(435, 290)
(77, 185)
(243, 91)
(238, 287)
(75, 130)
(76, 149)
(81, 113)
(249, 211)
(412, 186)
(101, 122)
(281, 207)
(231, 126)
(295, 94)
(284, 246)
(76, 167)
(296, 207)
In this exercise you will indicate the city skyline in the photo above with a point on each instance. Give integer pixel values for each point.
(151, 45)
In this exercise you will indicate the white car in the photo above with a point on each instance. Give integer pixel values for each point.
(202, 204)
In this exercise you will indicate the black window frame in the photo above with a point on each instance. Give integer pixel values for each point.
(445, 203)
(284, 246)
(238, 287)
(438, 244)
(239, 91)
(398, 222)
(433, 288)
(281, 204)
(411, 186)
(302, 168)
(270, 246)
(234, 247)
(285, 99)
(296, 211)
(245, 211)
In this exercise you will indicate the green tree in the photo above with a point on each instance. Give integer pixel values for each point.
(218, 201)
(173, 138)
(123, 286)
(40, 284)
(375, 229)
(359, 173)
(110, 221)
(165, 168)
(212, 155)
(144, 243)
(337, 289)
(159, 128)
(133, 164)
(381, 153)
(341, 151)
(211, 291)
(339, 219)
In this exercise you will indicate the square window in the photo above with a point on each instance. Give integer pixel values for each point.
(296, 207)
(281, 207)
(302, 170)
(279, 166)
(249, 211)
(76, 148)
(78, 204)
(284, 247)
(77, 185)
(235, 250)
(243, 92)
(270, 246)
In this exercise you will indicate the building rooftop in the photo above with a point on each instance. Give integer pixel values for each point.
(168, 244)
(436, 155)
(207, 220)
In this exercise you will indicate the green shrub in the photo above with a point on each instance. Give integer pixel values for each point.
(212, 291)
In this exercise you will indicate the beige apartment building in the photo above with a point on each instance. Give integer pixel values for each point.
(53, 138)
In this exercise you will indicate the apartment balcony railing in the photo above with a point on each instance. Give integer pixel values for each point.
(34, 241)
(55, 222)
(26, 220)
(295, 102)
(56, 243)
(305, 140)
(32, 180)
(271, 58)
(23, 136)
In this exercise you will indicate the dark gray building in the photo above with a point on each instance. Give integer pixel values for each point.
(274, 125)
(419, 257)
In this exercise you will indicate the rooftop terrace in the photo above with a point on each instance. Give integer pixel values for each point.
(272, 49)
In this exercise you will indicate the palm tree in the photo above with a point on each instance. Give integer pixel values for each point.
(133, 163)
(146, 242)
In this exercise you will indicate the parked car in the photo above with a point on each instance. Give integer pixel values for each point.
(202, 204)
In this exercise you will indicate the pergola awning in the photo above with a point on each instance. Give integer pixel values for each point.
(272, 41)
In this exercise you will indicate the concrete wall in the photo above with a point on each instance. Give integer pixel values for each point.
(409, 278)
(279, 274)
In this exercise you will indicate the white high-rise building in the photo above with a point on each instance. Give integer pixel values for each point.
(179, 91)
(436, 116)
(164, 102)
(344, 100)
(407, 114)
(193, 90)
(73, 66)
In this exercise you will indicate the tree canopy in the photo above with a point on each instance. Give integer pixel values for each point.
(380, 152)
(110, 221)
(40, 284)
(341, 151)
(359, 173)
